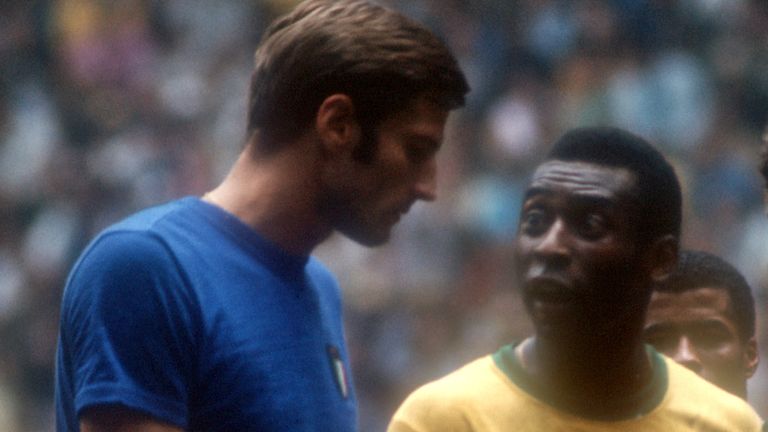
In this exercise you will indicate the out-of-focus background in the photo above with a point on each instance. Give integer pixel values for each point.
(110, 106)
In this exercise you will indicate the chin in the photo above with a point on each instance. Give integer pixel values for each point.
(374, 241)
(369, 238)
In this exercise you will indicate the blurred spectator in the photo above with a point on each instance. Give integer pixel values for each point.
(107, 107)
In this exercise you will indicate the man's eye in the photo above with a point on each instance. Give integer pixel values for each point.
(533, 222)
(594, 226)
(418, 153)
(661, 342)
(711, 338)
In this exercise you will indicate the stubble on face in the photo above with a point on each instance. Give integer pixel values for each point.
(365, 199)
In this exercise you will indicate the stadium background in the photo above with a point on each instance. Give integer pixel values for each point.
(110, 106)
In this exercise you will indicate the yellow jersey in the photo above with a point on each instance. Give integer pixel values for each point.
(490, 394)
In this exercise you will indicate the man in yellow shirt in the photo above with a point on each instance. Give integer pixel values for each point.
(600, 223)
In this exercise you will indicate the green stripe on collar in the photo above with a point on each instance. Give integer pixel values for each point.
(645, 400)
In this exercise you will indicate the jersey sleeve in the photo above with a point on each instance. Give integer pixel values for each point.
(128, 328)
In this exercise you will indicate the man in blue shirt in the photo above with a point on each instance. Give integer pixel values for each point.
(209, 313)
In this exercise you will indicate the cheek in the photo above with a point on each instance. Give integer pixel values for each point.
(612, 264)
(381, 195)
(615, 255)
(727, 352)
(724, 359)
(520, 256)
(617, 281)
(388, 175)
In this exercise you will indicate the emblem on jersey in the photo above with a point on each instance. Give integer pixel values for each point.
(338, 370)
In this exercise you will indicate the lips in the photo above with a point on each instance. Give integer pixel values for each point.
(550, 289)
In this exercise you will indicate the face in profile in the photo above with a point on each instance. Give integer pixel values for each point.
(370, 197)
(575, 253)
(696, 328)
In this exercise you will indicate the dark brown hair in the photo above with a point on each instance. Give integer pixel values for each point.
(378, 57)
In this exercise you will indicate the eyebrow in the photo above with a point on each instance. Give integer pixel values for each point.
(661, 326)
(534, 191)
(699, 324)
(582, 199)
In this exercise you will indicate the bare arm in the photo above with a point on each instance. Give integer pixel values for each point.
(119, 419)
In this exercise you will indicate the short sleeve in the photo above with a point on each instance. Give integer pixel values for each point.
(128, 327)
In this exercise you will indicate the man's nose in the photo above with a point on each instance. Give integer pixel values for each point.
(426, 183)
(685, 354)
(554, 240)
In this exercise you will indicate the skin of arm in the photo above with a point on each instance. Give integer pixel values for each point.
(119, 419)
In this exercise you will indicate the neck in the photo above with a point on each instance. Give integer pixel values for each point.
(275, 195)
(593, 377)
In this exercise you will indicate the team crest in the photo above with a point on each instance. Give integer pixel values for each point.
(338, 370)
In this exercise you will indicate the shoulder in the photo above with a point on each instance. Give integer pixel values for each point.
(447, 403)
(138, 244)
(125, 266)
(692, 396)
(116, 257)
(152, 217)
(323, 278)
(125, 246)
(318, 270)
(457, 387)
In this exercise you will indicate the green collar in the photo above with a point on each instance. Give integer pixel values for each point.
(645, 400)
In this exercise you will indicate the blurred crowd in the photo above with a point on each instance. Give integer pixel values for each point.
(108, 106)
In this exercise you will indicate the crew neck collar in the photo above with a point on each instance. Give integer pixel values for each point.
(645, 400)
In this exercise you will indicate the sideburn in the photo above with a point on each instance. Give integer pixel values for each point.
(365, 152)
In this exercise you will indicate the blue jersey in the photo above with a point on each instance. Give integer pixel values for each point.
(186, 314)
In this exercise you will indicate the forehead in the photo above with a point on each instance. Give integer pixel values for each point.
(690, 305)
(582, 178)
(420, 117)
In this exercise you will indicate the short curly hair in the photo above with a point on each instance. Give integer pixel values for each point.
(698, 269)
(657, 189)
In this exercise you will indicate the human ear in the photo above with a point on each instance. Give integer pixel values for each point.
(336, 124)
(662, 257)
(751, 357)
